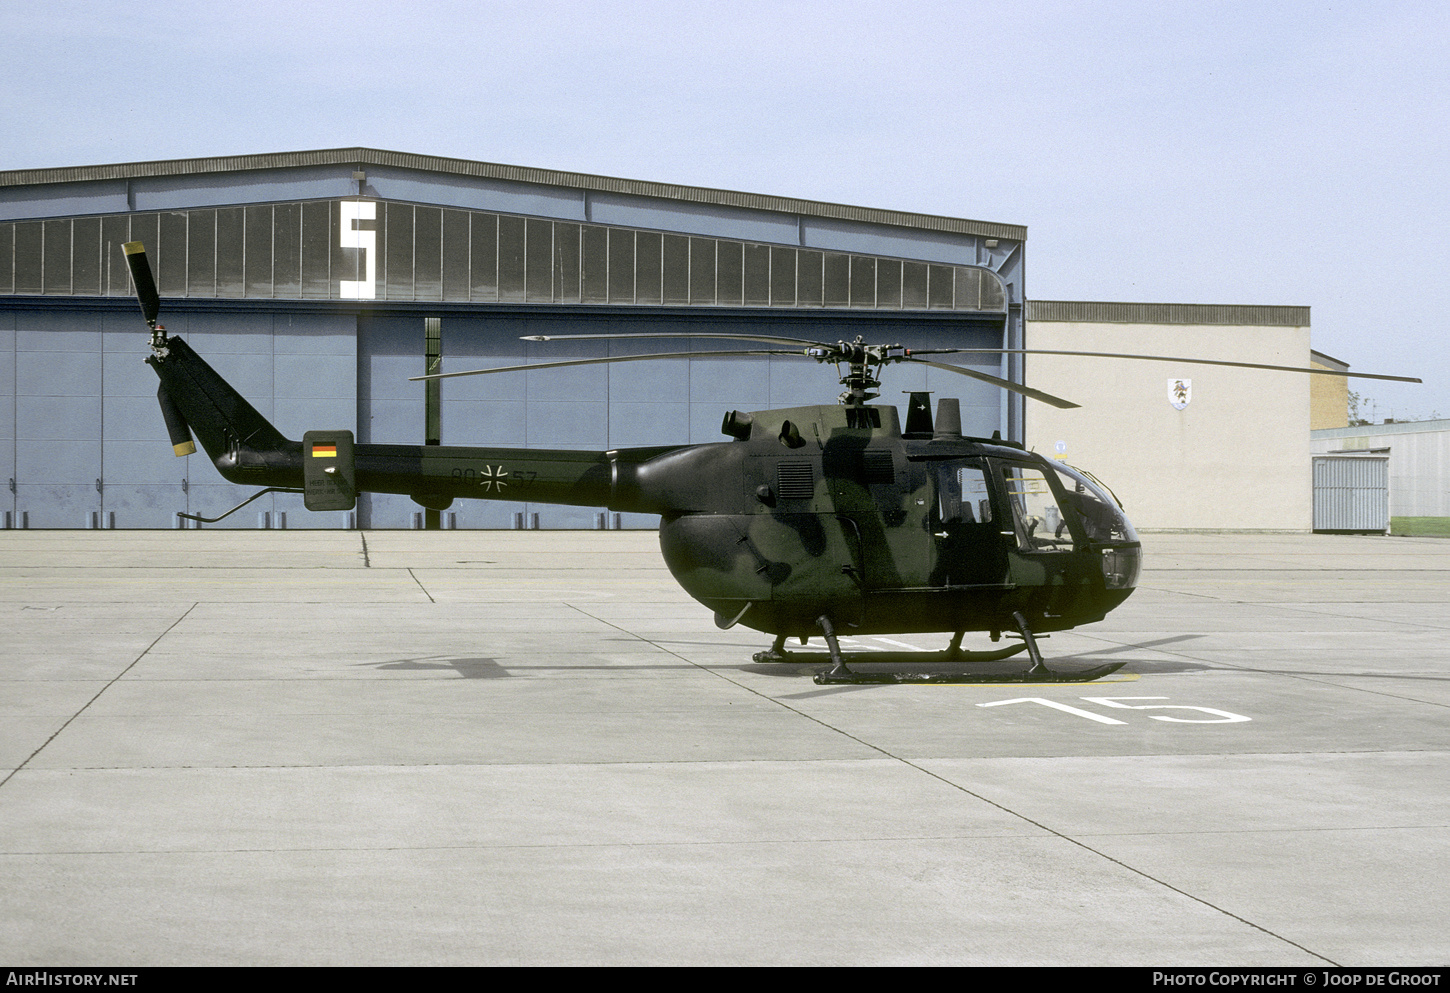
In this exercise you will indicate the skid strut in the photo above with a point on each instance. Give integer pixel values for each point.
(838, 666)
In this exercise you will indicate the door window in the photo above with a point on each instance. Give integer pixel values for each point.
(962, 496)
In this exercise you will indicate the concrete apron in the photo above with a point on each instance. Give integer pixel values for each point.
(532, 748)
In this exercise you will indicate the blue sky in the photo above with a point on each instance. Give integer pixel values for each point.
(1291, 153)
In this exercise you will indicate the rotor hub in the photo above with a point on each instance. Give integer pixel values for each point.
(863, 364)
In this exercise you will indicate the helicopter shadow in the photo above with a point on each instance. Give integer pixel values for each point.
(1144, 667)
(468, 668)
(808, 668)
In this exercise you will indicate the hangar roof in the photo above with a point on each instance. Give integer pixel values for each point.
(1387, 428)
(1104, 312)
(361, 224)
(362, 157)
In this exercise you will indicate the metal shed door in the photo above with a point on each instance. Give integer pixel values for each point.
(1351, 493)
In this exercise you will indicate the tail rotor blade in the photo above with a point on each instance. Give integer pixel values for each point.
(176, 426)
(141, 276)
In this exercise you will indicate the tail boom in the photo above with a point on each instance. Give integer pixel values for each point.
(246, 448)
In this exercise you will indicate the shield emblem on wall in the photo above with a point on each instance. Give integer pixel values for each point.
(1180, 391)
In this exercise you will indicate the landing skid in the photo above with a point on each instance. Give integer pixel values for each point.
(947, 657)
(841, 674)
(834, 677)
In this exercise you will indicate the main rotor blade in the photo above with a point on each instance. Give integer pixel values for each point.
(1026, 391)
(1163, 358)
(601, 361)
(141, 275)
(772, 339)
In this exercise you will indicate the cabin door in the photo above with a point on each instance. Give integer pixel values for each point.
(966, 525)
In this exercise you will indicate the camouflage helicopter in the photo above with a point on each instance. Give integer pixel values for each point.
(809, 521)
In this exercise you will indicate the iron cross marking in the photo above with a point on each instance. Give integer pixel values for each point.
(493, 478)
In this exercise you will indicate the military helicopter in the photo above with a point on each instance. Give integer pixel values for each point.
(809, 521)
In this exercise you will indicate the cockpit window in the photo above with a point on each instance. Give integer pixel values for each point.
(1039, 522)
(1102, 519)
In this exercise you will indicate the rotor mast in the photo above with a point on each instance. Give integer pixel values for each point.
(863, 367)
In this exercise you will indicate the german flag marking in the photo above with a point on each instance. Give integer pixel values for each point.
(324, 451)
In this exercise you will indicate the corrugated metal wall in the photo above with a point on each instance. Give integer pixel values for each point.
(377, 250)
(1351, 493)
(1098, 312)
(1419, 454)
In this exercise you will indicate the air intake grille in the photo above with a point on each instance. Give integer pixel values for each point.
(795, 480)
(877, 467)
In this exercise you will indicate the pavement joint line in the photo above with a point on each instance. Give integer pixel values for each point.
(1293, 674)
(1309, 678)
(22, 573)
(1314, 569)
(112, 682)
(421, 586)
(1312, 611)
(278, 767)
(1239, 831)
(1006, 810)
(661, 843)
(516, 846)
(1164, 589)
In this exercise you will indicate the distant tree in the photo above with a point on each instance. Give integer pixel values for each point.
(1357, 404)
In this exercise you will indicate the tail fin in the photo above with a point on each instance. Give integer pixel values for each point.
(243, 444)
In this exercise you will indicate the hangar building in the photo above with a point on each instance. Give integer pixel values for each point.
(307, 280)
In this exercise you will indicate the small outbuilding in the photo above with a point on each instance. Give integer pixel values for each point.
(1419, 461)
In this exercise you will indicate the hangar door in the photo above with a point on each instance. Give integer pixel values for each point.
(89, 447)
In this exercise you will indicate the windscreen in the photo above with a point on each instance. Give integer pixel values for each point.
(1102, 519)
